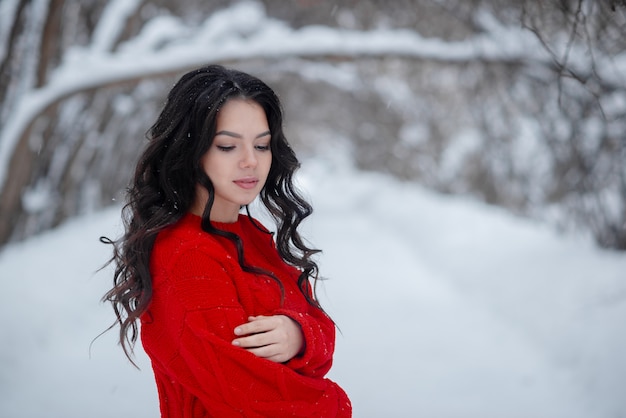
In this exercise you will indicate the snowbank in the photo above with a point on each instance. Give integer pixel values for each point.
(447, 308)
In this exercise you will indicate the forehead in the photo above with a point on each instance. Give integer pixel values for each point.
(241, 112)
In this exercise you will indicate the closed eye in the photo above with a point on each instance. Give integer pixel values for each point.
(263, 147)
(225, 148)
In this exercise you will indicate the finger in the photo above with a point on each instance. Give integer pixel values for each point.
(270, 352)
(257, 340)
(257, 325)
(267, 351)
(273, 330)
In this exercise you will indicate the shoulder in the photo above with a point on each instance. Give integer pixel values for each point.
(185, 238)
(254, 228)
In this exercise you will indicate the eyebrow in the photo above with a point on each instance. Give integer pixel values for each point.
(236, 135)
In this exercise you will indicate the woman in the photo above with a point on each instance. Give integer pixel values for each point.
(228, 316)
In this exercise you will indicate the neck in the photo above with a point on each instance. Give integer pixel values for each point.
(217, 215)
(225, 212)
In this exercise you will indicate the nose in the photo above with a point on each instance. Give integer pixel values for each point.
(248, 158)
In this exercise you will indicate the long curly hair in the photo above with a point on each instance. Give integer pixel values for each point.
(164, 185)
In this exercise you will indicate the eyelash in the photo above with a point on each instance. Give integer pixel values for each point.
(232, 147)
(225, 148)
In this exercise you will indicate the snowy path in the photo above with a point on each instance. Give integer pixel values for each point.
(449, 308)
(414, 346)
(442, 313)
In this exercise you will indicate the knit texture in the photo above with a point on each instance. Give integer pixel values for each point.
(200, 294)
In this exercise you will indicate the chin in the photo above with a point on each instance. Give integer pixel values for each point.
(244, 202)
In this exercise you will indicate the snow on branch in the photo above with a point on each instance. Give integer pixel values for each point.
(111, 24)
(168, 45)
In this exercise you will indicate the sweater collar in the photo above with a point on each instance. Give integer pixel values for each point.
(224, 226)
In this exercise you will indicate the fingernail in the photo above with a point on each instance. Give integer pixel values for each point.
(237, 331)
(237, 343)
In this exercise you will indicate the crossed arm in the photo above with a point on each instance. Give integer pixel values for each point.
(303, 338)
(277, 338)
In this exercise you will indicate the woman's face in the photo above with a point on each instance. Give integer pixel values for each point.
(238, 160)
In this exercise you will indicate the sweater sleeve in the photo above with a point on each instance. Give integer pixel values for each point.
(228, 380)
(319, 340)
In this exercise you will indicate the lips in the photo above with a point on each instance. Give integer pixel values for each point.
(247, 182)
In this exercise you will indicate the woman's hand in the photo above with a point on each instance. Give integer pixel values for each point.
(277, 338)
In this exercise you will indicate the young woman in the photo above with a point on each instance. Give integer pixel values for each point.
(228, 315)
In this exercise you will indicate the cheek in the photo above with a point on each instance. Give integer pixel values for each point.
(267, 162)
(213, 167)
(205, 162)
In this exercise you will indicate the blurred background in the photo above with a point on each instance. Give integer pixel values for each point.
(466, 160)
(518, 104)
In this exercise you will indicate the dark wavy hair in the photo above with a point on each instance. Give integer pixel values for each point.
(164, 185)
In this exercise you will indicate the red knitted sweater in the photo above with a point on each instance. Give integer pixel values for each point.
(200, 294)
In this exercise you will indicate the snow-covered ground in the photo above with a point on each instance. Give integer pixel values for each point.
(447, 308)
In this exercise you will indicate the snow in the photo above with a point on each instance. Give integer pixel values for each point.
(446, 307)
(167, 44)
(7, 13)
(243, 31)
(111, 24)
(36, 199)
(467, 142)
